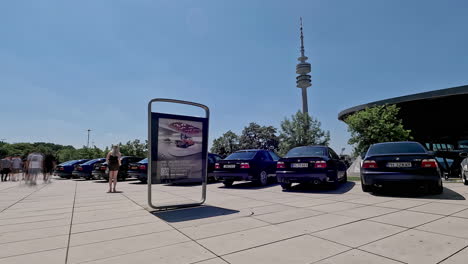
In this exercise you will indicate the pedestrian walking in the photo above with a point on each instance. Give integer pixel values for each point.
(49, 166)
(35, 167)
(16, 166)
(113, 160)
(5, 165)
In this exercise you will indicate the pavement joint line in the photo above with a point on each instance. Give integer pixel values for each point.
(28, 216)
(199, 261)
(381, 255)
(40, 221)
(191, 239)
(32, 252)
(6, 208)
(301, 218)
(71, 225)
(453, 254)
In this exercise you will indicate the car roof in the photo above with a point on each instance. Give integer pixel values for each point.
(394, 142)
(251, 150)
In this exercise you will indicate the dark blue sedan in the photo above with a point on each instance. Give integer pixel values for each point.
(139, 170)
(85, 170)
(64, 170)
(403, 164)
(311, 164)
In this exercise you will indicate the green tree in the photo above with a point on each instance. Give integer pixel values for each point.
(374, 125)
(301, 130)
(226, 144)
(134, 148)
(255, 136)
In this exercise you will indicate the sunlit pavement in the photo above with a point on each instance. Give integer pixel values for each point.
(72, 221)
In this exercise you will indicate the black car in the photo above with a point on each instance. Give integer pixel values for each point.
(246, 165)
(123, 169)
(400, 163)
(310, 164)
(99, 170)
(212, 160)
(139, 170)
(84, 170)
(65, 169)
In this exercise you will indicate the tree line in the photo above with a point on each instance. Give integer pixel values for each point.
(300, 130)
(67, 152)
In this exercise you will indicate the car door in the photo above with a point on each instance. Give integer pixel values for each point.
(340, 165)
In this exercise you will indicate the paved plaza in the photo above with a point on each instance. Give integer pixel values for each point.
(73, 221)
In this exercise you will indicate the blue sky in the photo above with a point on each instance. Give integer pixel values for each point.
(66, 66)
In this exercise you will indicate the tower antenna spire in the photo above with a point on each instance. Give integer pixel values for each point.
(303, 80)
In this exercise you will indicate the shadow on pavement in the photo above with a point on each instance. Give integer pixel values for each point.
(321, 188)
(249, 186)
(448, 194)
(193, 213)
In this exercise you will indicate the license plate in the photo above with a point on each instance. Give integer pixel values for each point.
(134, 168)
(399, 165)
(299, 165)
(232, 166)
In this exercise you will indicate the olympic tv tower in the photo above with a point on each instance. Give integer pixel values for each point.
(303, 80)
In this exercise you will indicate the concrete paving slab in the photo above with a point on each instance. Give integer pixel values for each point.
(50, 257)
(359, 233)
(439, 208)
(303, 249)
(101, 250)
(407, 219)
(229, 243)
(34, 225)
(183, 253)
(285, 216)
(463, 214)
(334, 207)
(32, 246)
(316, 223)
(366, 211)
(119, 222)
(459, 258)
(34, 234)
(223, 227)
(414, 246)
(117, 233)
(357, 257)
(452, 226)
(401, 204)
(269, 209)
(213, 261)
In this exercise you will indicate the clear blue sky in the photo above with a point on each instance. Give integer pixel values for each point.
(66, 66)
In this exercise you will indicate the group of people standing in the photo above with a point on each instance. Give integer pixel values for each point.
(28, 169)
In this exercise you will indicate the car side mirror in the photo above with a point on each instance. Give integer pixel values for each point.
(463, 155)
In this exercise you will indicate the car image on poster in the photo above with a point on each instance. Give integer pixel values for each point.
(180, 152)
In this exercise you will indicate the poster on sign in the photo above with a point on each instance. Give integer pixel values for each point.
(179, 148)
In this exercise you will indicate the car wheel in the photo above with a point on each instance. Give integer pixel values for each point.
(345, 178)
(263, 178)
(365, 187)
(465, 180)
(286, 186)
(438, 189)
(227, 183)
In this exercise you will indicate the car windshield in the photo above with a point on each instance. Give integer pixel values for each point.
(307, 152)
(396, 148)
(243, 155)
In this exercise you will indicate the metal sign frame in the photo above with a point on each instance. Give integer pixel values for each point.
(150, 153)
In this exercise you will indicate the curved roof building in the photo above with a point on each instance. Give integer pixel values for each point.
(435, 117)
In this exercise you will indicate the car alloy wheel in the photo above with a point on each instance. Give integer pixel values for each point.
(263, 178)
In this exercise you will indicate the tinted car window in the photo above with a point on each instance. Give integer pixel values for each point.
(263, 155)
(396, 148)
(244, 155)
(307, 152)
(333, 154)
(274, 156)
(91, 162)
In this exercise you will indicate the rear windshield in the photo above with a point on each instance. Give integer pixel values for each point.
(394, 148)
(91, 162)
(307, 152)
(143, 161)
(244, 155)
(66, 163)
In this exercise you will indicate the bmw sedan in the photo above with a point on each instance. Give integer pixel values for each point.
(311, 164)
(400, 163)
(255, 165)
